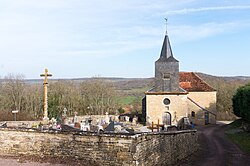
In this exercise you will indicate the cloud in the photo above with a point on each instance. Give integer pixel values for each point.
(76, 31)
(203, 9)
(184, 33)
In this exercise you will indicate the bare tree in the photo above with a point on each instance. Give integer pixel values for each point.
(99, 95)
(13, 88)
(34, 101)
(65, 94)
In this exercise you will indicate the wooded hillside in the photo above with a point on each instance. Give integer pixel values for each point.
(96, 95)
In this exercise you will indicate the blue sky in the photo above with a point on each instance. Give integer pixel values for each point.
(118, 38)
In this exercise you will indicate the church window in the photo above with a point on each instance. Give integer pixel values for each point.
(166, 76)
(193, 114)
(166, 101)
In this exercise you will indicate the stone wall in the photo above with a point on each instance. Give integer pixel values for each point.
(27, 124)
(102, 149)
(165, 148)
(170, 84)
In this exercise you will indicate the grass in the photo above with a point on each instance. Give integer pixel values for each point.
(238, 136)
(127, 100)
(235, 124)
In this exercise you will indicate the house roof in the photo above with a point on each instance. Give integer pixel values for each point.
(166, 51)
(193, 83)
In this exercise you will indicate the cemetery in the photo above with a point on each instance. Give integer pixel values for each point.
(107, 148)
(106, 139)
(117, 139)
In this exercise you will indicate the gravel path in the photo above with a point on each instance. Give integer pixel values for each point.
(216, 149)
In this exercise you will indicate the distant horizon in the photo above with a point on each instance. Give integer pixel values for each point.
(117, 77)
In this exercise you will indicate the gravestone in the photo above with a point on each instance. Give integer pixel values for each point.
(107, 118)
(75, 117)
(135, 120)
(110, 127)
(64, 116)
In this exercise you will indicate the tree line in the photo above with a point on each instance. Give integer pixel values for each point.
(90, 97)
(94, 96)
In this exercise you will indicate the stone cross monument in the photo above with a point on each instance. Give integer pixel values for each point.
(45, 85)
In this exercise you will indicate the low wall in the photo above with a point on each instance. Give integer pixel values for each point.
(27, 124)
(102, 149)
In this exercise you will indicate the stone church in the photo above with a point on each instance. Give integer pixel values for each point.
(178, 94)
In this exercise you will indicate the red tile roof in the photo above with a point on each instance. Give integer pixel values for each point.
(193, 83)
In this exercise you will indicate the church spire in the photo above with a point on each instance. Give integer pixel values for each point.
(166, 50)
(166, 69)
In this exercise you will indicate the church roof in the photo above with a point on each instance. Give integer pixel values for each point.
(166, 51)
(193, 83)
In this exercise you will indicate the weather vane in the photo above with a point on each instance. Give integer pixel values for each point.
(166, 19)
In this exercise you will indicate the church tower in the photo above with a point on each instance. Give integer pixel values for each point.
(166, 69)
(166, 103)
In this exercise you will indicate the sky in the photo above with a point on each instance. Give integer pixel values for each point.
(122, 38)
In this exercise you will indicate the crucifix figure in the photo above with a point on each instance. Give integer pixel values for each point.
(45, 85)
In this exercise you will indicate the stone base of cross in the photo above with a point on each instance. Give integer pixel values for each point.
(45, 119)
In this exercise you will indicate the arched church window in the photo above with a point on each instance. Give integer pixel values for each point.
(166, 101)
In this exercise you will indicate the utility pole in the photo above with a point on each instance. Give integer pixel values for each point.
(45, 85)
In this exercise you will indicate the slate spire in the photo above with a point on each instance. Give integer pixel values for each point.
(166, 51)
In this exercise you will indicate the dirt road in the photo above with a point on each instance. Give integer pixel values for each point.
(216, 149)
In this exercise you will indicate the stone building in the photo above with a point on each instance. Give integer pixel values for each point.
(178, 94)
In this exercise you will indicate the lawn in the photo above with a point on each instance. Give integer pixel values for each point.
(238, 136)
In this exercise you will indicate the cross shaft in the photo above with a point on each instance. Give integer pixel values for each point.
(45, 83)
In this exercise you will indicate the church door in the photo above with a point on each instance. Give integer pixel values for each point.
(166, 118)
(206, 118)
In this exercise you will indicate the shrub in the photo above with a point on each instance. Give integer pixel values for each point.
(241, 102)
